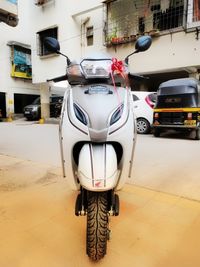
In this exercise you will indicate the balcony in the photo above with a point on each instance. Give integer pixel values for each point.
(127, 19)
(8, 12)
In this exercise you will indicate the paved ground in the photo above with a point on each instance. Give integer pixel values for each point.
(159, 224)
(168, 164)
(38, 226)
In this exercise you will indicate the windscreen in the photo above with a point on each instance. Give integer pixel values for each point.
(36, 101)
(98, 68)
(177, 96)
(177, 101)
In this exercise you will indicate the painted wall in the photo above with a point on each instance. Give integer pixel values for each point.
(173, 51)
(68, 17)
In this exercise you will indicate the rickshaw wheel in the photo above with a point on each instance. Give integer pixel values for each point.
(156, 132)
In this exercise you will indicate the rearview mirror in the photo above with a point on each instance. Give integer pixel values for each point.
(143, 43)
(52, 44)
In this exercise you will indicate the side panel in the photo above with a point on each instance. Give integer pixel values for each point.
(126, 136)
(69, 136)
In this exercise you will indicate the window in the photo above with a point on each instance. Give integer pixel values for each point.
(89, 36)
(52, 32)
(127, 18)
(21, 62)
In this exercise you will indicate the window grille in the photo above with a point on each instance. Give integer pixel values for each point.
(89, 36)
(128, 18)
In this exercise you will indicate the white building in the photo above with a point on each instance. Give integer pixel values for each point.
(16, 88)
(86, 26)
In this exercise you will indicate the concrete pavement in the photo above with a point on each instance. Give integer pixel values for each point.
(38, 226)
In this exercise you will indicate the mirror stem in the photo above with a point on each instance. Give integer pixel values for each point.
(68, 60)
(126, 59)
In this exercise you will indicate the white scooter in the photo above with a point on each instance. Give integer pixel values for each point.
(97, 138)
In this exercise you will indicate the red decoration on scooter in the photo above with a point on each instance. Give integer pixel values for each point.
(117, 66)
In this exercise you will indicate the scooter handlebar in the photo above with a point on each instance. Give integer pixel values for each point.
(58, 79)
(137, 77)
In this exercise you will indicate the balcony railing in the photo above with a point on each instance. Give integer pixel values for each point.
(126, 19)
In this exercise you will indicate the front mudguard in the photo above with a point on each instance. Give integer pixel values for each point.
(97, 167)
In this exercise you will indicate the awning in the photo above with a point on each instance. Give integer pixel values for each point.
(14, 43)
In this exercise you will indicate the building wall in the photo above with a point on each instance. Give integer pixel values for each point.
(178, 50)
(21, 33)
(68, 17)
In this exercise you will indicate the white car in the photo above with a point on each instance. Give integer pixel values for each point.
(143, 108)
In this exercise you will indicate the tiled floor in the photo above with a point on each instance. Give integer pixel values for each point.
(38, 227)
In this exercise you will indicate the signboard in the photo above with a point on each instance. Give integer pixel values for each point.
(13, 1)
(21, 64)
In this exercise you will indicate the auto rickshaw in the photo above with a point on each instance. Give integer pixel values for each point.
(178, 106)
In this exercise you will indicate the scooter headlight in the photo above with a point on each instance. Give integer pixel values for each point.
(80, 115)
(117, 114)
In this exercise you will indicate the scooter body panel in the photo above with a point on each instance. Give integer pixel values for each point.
(98, 108)
(97, 168)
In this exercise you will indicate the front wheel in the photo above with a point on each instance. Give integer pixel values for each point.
(97, 225)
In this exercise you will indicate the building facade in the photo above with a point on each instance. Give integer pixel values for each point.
(16, 87)
(115, 25)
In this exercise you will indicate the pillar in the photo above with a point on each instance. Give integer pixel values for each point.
(44, 98)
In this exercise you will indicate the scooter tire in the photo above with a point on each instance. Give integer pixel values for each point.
(97, 225)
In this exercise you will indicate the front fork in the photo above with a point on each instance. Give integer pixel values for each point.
(81, 203)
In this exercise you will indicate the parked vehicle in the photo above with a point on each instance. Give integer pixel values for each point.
(178, 106)
(55, 106)
(144, 103)
(97, 137)
(33, 111)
